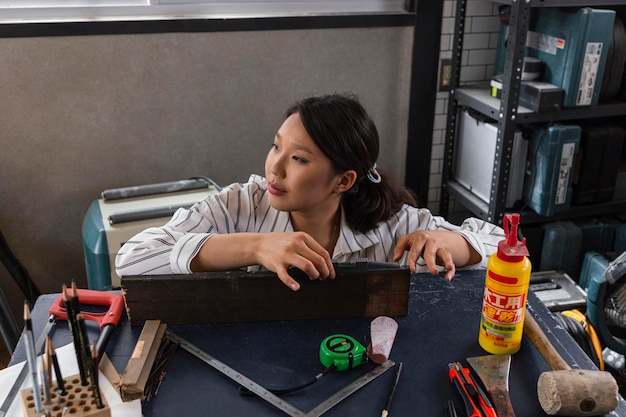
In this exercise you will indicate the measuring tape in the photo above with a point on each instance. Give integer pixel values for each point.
(337, 347)
(342, 352)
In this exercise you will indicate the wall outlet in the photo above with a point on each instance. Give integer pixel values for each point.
(445, 74)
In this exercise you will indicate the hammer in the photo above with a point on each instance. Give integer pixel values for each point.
(567, 391)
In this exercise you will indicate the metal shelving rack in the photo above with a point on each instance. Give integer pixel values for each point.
(508, 114)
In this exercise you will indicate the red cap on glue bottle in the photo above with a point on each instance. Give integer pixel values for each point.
(510, 249)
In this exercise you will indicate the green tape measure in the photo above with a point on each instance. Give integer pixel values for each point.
(342, 352)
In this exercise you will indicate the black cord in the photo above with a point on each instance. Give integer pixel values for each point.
(209, 180)
(246, 391)
(579, 334)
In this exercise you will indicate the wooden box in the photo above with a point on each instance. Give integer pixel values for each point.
(359, 290)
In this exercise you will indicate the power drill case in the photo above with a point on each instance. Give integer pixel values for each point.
(551, 156)
(605, 304)
(562, 242)
(573, 45)
(597, 163)
(594, 265)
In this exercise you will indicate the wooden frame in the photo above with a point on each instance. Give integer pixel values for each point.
(236, 296)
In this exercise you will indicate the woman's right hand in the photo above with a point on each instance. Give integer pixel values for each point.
(276, 251)
(280, 251)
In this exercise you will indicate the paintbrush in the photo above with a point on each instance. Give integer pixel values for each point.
(392, 390)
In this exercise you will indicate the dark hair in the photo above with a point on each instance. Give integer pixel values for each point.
(342, 129)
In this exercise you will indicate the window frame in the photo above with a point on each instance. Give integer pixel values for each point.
(203, 23)
(57, 11)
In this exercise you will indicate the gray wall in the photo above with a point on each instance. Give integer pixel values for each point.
(82, 114)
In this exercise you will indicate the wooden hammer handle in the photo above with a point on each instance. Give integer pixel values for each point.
(543, 345)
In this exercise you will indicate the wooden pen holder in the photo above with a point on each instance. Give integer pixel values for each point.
(79, 401)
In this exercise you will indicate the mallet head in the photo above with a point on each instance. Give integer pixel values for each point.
(577, 392)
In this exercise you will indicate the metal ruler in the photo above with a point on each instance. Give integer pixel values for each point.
(272, 398)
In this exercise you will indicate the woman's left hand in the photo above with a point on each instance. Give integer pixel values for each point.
(436, 247)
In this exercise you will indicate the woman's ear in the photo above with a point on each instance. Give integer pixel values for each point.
(346, 180)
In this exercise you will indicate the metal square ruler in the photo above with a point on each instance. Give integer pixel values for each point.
(271, 397)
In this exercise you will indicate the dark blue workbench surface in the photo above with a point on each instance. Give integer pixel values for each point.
(441, 327)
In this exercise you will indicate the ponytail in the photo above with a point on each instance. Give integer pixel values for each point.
(342, 129)
(367, 203)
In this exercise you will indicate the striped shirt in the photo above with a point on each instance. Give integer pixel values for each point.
(245, 208)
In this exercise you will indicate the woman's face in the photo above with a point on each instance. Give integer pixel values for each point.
(299, 176)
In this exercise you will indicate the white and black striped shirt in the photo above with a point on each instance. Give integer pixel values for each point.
(245, 208)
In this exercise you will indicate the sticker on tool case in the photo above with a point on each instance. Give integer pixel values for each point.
(565, 167)
(546, 43)
(589, 73)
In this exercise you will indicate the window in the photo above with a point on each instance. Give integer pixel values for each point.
(16, 11)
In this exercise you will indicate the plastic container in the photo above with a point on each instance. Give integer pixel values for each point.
(506, 291)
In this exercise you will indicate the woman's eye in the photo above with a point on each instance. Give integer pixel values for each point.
(274, 146)
(298, 159)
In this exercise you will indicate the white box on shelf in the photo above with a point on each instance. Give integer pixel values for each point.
(475, 155)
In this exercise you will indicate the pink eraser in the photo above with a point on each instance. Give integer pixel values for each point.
(383, 332)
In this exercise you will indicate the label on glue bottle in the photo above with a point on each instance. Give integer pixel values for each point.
(506, 290)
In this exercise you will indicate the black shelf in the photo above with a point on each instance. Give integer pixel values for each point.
(508, 114)
(480, 207)
(567, 3)
(478, 98)
(610, 207)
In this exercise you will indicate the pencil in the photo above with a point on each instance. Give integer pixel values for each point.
(45, 380)
(31, 357)
(75, 301)
(71, 322)
(57, 370)
(392, 390)
(89, 363)
(47, 360)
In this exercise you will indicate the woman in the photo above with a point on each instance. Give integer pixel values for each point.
(322, 199)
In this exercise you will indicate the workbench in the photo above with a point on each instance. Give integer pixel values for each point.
(441, 327)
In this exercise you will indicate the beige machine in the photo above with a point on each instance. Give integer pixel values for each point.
(122, 213)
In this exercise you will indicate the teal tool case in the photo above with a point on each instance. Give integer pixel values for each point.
(573, 44)
(551, 156)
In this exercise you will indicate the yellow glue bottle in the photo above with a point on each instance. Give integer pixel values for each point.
(506, 290)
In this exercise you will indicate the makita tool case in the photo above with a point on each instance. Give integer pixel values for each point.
(594, 265)
(562, 242)
(598, 234)
(597, 164)
(121, 213)
(573, 44)
(551, 155)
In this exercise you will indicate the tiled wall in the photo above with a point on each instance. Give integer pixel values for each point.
(481, 35)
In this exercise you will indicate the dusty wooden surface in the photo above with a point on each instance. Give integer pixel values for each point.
(236, 296)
